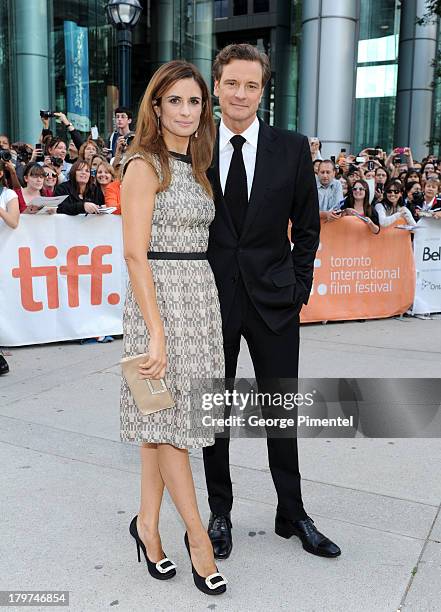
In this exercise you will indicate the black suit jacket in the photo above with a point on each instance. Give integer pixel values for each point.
(74, 205)
(277, 280)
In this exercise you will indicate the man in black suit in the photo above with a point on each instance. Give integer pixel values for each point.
(262, 177)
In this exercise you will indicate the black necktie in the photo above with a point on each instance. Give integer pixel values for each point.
(236, 189)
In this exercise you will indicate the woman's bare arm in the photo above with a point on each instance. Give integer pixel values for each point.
(11, 216)
(138, 193)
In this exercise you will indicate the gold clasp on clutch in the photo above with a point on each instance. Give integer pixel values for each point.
(163, 388)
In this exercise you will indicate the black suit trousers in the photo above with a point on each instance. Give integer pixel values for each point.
(273, 355)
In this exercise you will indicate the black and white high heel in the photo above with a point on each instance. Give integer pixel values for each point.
(164, 569)
(215, 584)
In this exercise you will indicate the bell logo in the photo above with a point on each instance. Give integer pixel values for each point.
(429, 255)
(95, 268)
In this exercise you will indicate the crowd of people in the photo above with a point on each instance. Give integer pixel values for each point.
(380, 188)
(196, 287)
(377, 187)
(374, 186)
(84, 170)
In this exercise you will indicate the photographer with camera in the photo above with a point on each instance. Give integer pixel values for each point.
(372, 154)
(414, 196)
(55, 152)
(381, 178)
(123, 121)
(342, 163)
(399, 160)
(315, 147)
(83, 195)
(21, 155)
(75, 135)
(11, 177)
(121, 147)
(5, 143)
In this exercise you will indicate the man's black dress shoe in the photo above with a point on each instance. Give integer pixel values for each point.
(4, 368)
(313, 541)
(219, 531)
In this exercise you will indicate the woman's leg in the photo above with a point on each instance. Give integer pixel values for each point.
(152, 488)
(174, 465)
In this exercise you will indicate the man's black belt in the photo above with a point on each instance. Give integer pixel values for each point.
(170, 255)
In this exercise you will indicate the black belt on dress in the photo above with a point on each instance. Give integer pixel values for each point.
(171, 255)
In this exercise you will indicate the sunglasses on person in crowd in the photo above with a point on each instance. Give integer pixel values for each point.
(393, 191)
(358, 189)
(50, 174)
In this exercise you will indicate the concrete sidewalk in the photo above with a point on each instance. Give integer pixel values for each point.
(70, 488)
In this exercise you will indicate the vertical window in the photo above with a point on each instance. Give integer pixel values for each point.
(220, 9)
(261, 6)
(377, 67)
(240, 7)
(5, 119)
(83, 68)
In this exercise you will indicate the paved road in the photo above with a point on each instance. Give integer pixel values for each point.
(69, 489)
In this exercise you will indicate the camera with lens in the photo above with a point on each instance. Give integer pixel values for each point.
(47, 114)
(5, 155)
(57, 161)
(128, 139)
(24, 152)
(418, 198)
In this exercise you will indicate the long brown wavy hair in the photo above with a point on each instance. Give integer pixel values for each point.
(148, 138)
(350, 202)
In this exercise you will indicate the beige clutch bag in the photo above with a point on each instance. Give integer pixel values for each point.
(149, 395)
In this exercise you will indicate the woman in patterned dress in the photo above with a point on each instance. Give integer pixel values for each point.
(172, 308)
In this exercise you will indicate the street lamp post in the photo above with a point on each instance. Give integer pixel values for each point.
(124, 15)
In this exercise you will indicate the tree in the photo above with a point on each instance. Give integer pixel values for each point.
(433, 11)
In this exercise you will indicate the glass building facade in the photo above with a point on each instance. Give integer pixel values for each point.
(435, 140)
(377, 70)
(62, 55)
(82, 63)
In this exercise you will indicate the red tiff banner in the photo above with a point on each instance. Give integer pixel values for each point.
(359, 275)
(61, 278)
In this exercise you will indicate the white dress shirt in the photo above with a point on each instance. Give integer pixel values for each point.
(249, 151)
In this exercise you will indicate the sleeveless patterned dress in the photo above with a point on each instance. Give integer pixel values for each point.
(188, 303)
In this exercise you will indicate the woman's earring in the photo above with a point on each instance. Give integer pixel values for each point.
(196, 134)
(158, 123)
